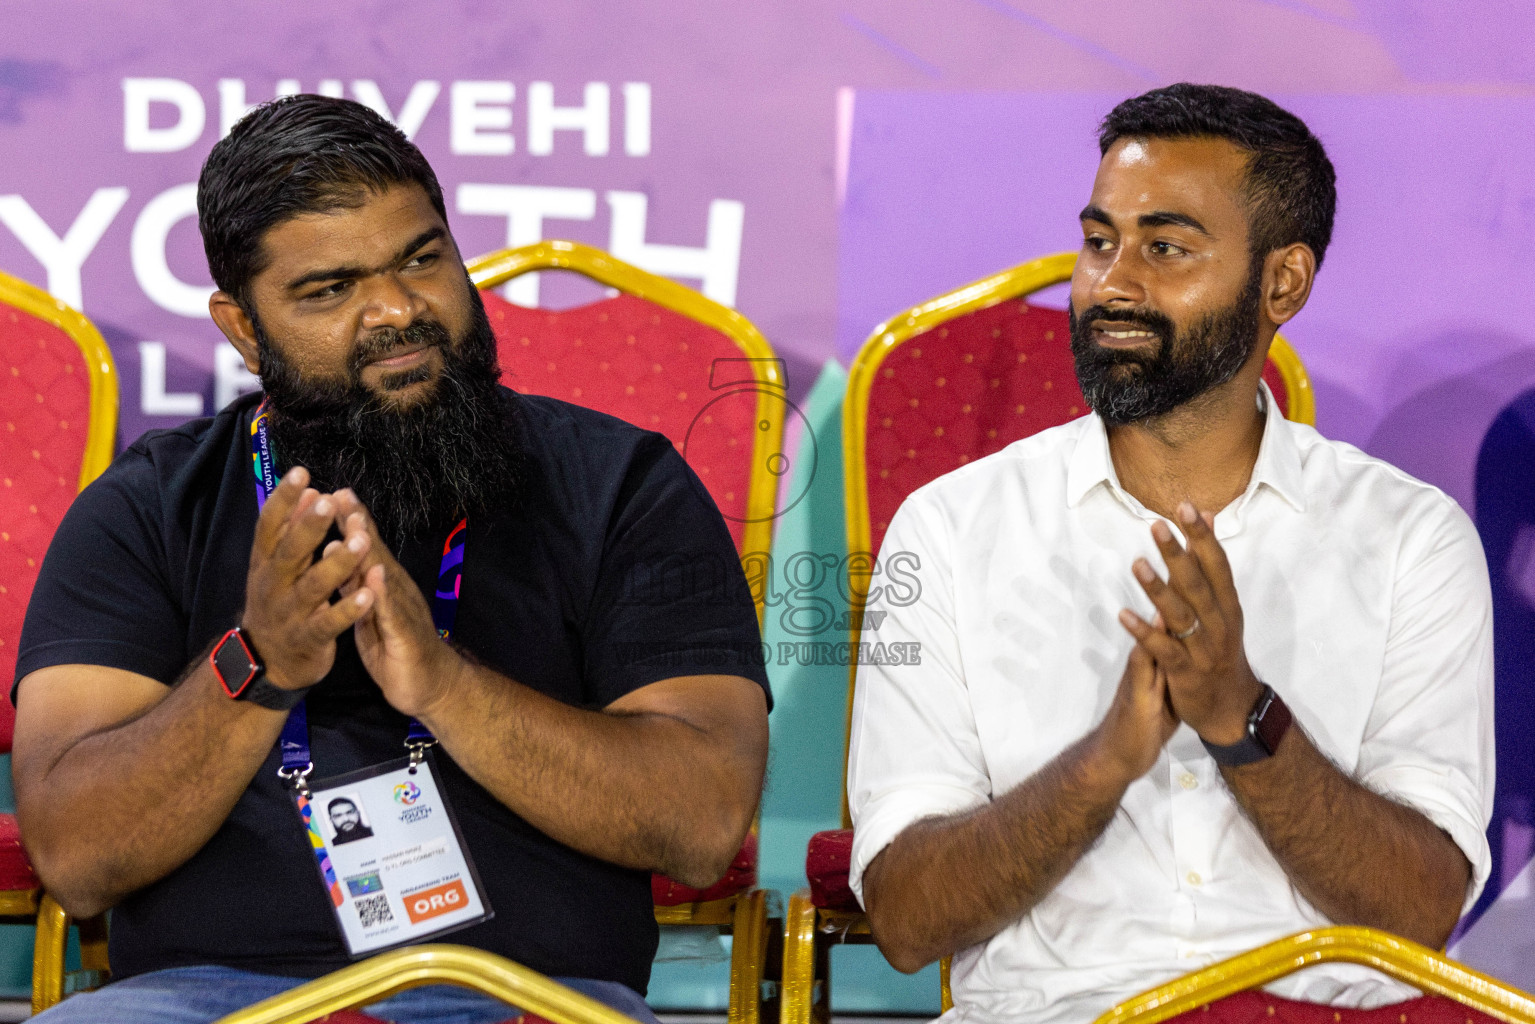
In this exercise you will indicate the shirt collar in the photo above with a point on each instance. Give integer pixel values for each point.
(1278, 465)
(1090, 462)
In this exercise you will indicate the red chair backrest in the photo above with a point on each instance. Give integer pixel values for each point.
(967, 388)
(646, 364)
(45, 403)
(1257, 1007)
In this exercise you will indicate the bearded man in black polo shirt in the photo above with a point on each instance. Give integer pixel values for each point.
(573, 769)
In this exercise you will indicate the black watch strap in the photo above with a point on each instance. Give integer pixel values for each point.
(269, 695)
(243, 676)
(1267, 723)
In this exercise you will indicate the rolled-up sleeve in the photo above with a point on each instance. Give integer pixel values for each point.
(914, 751)
(1429, 740)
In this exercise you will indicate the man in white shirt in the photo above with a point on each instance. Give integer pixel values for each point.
(1192, 676)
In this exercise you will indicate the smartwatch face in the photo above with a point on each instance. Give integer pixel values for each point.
(234, 664)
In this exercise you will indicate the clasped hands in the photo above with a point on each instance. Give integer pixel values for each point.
(293, 621)
(1189, 663)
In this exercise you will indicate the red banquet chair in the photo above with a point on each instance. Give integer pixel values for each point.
(666, 358)
(1228, 992)
(331, 999)
(947, 382)
(58, 421)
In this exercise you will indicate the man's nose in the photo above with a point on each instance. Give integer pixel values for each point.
(389, 302)
(1119, 282)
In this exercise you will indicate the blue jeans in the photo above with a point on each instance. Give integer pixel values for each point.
(201, 995)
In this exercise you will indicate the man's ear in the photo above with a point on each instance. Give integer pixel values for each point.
(1287, 277)
(237, 327)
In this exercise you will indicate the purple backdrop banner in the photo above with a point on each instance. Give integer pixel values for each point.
(702, 143)
(822, 164)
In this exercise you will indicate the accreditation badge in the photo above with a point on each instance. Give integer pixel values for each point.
(390, 855)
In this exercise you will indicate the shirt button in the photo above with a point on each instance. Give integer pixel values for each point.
(1194, 879)
(1188, 781)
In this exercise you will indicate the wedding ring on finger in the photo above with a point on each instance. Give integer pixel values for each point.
(1188, 632)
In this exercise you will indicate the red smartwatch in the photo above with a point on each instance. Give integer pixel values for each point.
(1267, 723)
(243, 676)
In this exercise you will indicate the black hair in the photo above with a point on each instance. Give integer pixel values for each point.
(330, 808)
(1291, 190)
(295, 155)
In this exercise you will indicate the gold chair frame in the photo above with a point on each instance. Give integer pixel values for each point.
(1400, 958)
(745, 915)
(33, 906)
(382, 976)
(804, 957)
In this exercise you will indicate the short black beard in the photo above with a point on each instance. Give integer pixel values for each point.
(455, 453)
(1126, 386)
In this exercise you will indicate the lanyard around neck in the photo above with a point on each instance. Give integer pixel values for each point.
(296, 760)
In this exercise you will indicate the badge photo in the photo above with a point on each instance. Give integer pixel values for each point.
(346, 819)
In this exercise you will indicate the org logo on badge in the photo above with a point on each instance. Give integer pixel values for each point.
(407, 793)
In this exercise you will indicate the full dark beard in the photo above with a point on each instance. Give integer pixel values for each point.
(455, 453)
(1129, 386)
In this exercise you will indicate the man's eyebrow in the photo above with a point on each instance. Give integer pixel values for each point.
(327, 274)
(1160, 218)
(353, 271)
(1155, 219)
(425, 238)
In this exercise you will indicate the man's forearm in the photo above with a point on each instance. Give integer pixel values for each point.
(948, 883)
(125, 806)
(647, 791)
(1357, 856)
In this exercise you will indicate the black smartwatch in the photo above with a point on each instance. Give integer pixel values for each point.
(243, 676)
(1267, 723)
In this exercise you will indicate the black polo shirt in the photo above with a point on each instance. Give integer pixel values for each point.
(613, 569)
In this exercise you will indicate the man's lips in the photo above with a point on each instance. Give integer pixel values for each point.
(400, 358)
(1121, 333)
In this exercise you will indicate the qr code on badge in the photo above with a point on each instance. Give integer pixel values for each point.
(373, 910)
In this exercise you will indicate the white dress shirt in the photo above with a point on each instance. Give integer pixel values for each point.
(1366, 607)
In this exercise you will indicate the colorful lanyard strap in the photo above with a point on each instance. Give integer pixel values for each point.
(296, 760)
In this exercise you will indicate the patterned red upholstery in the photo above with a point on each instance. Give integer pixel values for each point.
(657, 369)
(1275, 381)
(358, 1017)
(740, 877)
(968, 388)
(45, 401)
(960, 392)
(1258, 1007)
(15, 870)
(648, 365)
(827, 860)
